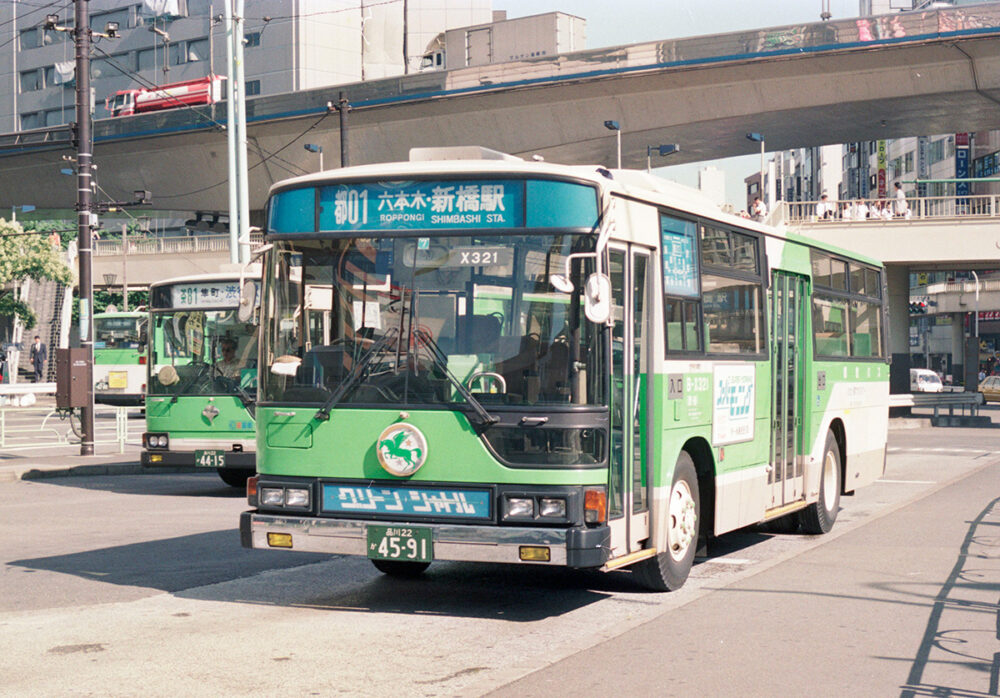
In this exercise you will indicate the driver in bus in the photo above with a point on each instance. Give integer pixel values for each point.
(230, 365)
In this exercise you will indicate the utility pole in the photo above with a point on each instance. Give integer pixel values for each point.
(124, 267)
(84, 154)
(82, 37)
(239, 201)
(343, 106)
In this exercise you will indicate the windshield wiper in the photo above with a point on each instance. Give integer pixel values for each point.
(441, 361)
(323, 413)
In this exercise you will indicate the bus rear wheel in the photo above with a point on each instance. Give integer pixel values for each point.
(668, 570)
(820, 516)
(400, 568)
(235, 478)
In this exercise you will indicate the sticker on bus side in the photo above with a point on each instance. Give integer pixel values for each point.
(733, 403)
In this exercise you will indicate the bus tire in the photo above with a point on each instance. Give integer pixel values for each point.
(668, 571)
(401, 568)
(234, 477)
(820, 516)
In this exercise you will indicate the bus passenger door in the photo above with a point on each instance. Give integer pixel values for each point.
(628, 481)
(787, 321)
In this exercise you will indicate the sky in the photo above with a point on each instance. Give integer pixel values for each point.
(611, 23)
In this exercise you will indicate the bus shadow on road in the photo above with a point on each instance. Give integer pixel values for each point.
(169, 564)
(188, 484)
(513, 593)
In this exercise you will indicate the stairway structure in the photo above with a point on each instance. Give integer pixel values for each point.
(50, 301)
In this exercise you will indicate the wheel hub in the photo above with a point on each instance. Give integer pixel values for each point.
(683, 520)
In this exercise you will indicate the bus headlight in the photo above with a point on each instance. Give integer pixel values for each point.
(296, 498)
(272, 496)
(519, 507)
(553, 507)
(156, 440)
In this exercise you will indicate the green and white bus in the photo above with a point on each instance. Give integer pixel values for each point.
(202, 378)
(520, 362)
(120, 357)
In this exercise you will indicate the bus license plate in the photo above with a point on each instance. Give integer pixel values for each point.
(400, 543)
(210, 459)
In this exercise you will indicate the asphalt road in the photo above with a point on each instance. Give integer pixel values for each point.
(136, 585)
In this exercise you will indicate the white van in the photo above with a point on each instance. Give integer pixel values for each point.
(923, 380)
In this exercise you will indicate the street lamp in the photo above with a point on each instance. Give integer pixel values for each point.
(662, 151)
(26, 208)
(759, 137)
(313, 148)
(614, 126)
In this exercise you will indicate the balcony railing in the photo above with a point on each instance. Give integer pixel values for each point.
(873, 210)
(169, 245)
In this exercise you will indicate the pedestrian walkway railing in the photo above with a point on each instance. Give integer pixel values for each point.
(873, 210)
(26, 428)
(159, 245)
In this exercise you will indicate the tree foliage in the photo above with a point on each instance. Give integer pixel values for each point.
(27, 257)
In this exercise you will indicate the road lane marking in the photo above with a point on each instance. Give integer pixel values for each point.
(909, 482)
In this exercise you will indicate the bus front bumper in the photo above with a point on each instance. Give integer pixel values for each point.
(569, 547)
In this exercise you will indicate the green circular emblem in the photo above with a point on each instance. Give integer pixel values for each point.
(401, 449)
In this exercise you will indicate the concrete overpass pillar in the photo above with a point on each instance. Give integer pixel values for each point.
(897, 278)
(958, 358)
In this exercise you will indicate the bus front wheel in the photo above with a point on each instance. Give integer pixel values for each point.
(668, 570)
(400, 568)
(820, 516)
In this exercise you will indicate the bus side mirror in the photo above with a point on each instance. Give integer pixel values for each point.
(597, 298)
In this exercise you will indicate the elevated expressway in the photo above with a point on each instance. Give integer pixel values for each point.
(898, 75)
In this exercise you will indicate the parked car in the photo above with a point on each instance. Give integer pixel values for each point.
(923, 380)
(989, 388)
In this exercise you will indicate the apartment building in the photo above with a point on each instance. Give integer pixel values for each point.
(289, 45)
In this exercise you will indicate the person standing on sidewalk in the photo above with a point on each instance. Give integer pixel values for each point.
(38, 356)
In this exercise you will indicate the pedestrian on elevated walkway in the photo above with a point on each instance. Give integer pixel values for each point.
(902, 208)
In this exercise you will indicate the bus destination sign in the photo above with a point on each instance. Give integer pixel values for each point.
(221, 294)
(422, 205)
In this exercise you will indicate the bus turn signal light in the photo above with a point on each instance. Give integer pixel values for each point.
(595, 506)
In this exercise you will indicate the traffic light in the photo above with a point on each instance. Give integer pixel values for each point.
(918, 307)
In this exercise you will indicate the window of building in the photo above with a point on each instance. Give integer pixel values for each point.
(31, 120)
(30, 38)
(31, 80)
(252, 88)
(57, 117)
(146, 58)
(908, 162)
(251, 39)
(125, 18)
(197, 50)
(178, 55)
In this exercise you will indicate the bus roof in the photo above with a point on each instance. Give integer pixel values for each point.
(206, 278)
(633, 183)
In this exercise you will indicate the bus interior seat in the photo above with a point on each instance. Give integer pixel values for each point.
(322, 364)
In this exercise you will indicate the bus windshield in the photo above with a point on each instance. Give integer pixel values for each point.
(202, 352)
(125, 332)
(424, 321)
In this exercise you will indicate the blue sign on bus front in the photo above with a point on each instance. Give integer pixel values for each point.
(407, 501)
(422, 205)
